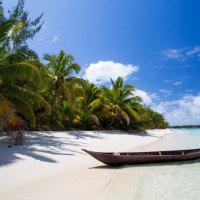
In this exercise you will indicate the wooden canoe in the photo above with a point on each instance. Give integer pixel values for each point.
(131, 158)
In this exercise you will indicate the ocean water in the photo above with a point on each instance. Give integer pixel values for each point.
(174, 181)
(167, 181)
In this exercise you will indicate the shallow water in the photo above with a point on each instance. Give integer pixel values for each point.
(168, 181)
(178, 181)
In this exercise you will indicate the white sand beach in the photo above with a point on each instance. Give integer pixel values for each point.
(51, 165)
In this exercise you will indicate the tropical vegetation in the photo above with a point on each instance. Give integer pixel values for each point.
(50, 96)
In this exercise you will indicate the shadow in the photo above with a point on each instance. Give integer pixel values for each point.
(42, 145)
(85, 134)
(38, 146)
(98, 134)
(189, 162)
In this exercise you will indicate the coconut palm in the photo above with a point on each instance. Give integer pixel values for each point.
(150, 119)
(8, 30)
(88, 104)
(20, 80)
(61, 68)
(121, 101)
(9, 120)
(21, 83)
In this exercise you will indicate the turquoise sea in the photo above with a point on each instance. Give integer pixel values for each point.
(177, 181)
(166, 181)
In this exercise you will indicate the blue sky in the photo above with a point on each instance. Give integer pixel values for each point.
(154, 44)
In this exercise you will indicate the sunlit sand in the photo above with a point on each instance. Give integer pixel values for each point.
(51, 165)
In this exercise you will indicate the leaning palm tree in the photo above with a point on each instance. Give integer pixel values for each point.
(21, 84)
(61, 69)
(21, 81)
(121, 102)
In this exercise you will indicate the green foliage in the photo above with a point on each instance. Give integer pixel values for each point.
(21, 34)
(122, 104)
(51, 97)
(61, 69)
(21, 79)
(18, 79)
(88, 103)
(150, 119)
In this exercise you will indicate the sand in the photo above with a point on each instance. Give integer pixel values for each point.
(51, 165)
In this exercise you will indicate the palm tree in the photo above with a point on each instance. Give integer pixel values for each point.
(121, 101)
(149, 119)
(21, 81)
(88, 104)
(9, 120)
(61, 68)
(8, 31)
(21, 84)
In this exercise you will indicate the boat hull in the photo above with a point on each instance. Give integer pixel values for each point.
(133, 158)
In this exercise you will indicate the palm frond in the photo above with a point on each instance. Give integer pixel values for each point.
(94, 105)
(72, 67)
(33, 98)
(8, 29)
(9, 120)
(7, 111)
(25, 109)
(21, 71)
(133, 113)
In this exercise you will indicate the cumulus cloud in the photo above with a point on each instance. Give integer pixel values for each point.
(55, 39)
(184, 111)
(102, 71)
(146, 98)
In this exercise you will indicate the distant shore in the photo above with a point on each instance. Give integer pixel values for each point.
(186, 126)
(51, 165)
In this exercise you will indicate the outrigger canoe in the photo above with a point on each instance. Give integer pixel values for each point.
(132, 158)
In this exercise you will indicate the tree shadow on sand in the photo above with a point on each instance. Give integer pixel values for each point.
(37, 146)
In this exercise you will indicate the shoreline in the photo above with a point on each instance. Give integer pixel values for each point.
(55, 160)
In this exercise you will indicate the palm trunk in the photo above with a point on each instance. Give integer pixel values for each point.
(114, 118)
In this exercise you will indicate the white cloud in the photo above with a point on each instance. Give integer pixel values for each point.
(173, 54)
(154, 96)
(189, 90)
(165, 92)
(135, 79)
(102, 71)
(55, 39)
(182, 54)
(193, 51)
(178, 83)
(183, 111)
(146, 99)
